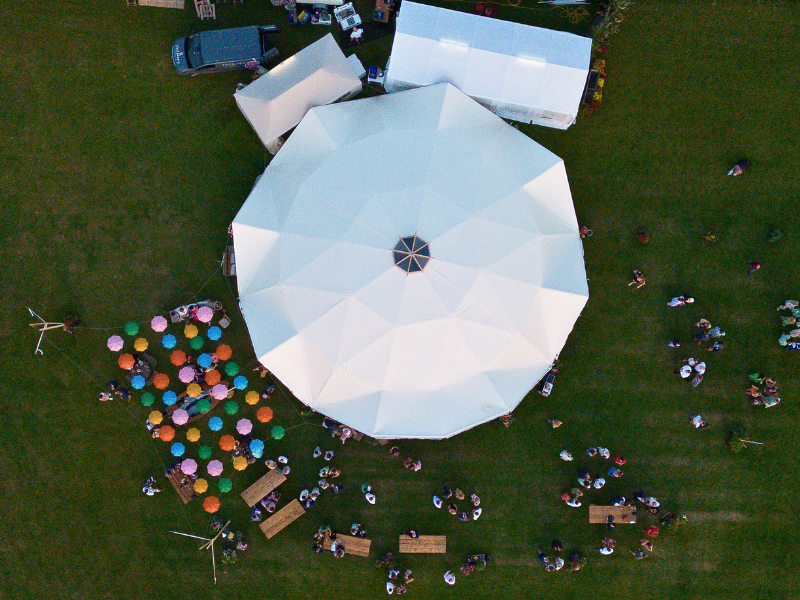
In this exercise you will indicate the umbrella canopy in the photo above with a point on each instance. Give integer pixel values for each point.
(193, 434)
(158, 323)
(214, 333)
(137, 382)
(277, 432)
(240, 463)
(115, 343)
(231, 369)
(205, 314)
(161, 381)
(168, 341)
(155, 417)
(196, 343)
(231, 407)
(166, 433)
(131, 328)
(219, 391)
(194, 390)
(252, 397)
(126, 361)
(204, 360)
(189, 466)
(256, 447)
(203, 406)
(186, 374)
(140, 345)
(204, 452)
(225, 485)
(180, 417)
(226, 442)
(211, 504)
(147, 399)
(200, 486)
(244, 426)
(215, 423)
(177, 358)
(240, 383)
(264, 414)
(169, 398)
(190, 331)
(212, 377)
(214, 468)
(177, 449)
(223, 352)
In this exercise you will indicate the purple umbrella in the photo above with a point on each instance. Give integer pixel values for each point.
(115, 343)
(180, 417)
(186, 374)
(158, 323)
(204, 314)
(244, 426)
(219, 391)
(189, 466)
(214, 468)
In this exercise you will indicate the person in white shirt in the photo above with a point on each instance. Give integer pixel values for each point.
(449, 578)
(356, 35)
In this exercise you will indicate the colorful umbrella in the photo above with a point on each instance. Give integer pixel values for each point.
(205, 314)
(166, 433)
(168, 341)
(215, 423)
(264, 414)
(223, 352)
(212, 377)
(231, 407)
(226, 442)
(214, 333)
(240, 383)
(186, 374)
(158, 323)
(204, 452)
(155, 417)
(140, 345)
(131, 328)
(256, 447)
(190, 330)
(204, 360)
(169, 398)
(277, 432)
(200, 486)
(115, 343)
(231, 369)
(189, 466)
(219, 391)
(203, 406)
(244, 426)
(252, 397)
(214, 468)
(137, 382)
(240, 463)
(225, 485)
(147, 399)
(180, 417)
(193, 434)
(211, 504)
(125, 361)
(196, 343)
(177, 449)
(161, 381)
(177, 358)
(194, 390)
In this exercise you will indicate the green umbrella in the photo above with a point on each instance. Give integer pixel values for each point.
(131, 328)
(231, 369)
(277, 432)
(204, 452)
(203, 405)
(225, 485)
(147, 399)
(231, 407)
(196, 343)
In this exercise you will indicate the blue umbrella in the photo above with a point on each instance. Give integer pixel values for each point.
(178, 449)
(168, 341)
(257, 448)
(204, 360)
(137, 382)
(214, 333)
(240, 382)
(170, 397)
(215, 423)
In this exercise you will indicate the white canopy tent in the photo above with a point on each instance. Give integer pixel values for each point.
(519, 72)
(317, 75)
(426, 336)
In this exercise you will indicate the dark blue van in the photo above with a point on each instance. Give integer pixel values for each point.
(223, 49)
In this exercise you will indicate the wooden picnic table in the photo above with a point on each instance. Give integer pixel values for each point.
(182, 485)
(623, 515)
(262, 487)
(352, 544)
(282, 518)
(382, 12)
(424, 544)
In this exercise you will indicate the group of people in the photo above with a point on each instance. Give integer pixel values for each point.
(555, 562)
(586, 479)
(707, 333)
(692, 370)
(790, 340)
(456, 494)
(766, 397)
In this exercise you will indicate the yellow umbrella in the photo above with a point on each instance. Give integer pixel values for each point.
(193, 390)
(200, 486)
(251, 397)
(190, 331)
(156, 417)
(193, 434)
(240, 463)
(140, 344)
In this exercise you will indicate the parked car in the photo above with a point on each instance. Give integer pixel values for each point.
(546, 384)
(223, 49)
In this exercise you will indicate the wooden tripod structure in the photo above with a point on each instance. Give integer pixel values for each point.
(41, 327)
(209, 543)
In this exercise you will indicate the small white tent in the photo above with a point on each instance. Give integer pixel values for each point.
(278, 100)
(426, 298)
(522, 73)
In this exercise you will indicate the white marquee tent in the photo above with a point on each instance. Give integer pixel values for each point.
(317, 75)
(410, 264)
(519, 72)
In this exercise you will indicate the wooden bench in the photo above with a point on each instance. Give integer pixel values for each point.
(184, 490)
(424, 544)
(262, 487)
(352, 545)
(282, 518)
(623, 515)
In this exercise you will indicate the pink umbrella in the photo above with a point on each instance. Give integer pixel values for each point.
(186, 374)
(219, 391)
(189, 466)
(214, 468)
(244, 426)
(180, 417)
(158, 323)
(204, 314)
(115, 343)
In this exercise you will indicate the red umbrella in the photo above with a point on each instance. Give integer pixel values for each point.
(212, 377)
(125, 361)
(224, 352)
(161, 381)
(226, 442)
(166, 433)
(211, 504)
(177, 358)
(264, 414)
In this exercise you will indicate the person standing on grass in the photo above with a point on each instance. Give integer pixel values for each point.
(449, 578)
(754, 266)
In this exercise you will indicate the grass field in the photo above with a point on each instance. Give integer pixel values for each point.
(120, 178)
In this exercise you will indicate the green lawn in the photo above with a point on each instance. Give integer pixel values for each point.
(119, 179)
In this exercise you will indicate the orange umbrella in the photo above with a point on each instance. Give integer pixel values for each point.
(251, 397)
(190, 331)
(211, 504)
(125, 361)
(193, 390)
(226, 442)
(177, 358)
(193, 434)
(264, 414)
(166, 433)
(224, 352)
(161, 381)
(212, 377)
(240, 463)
